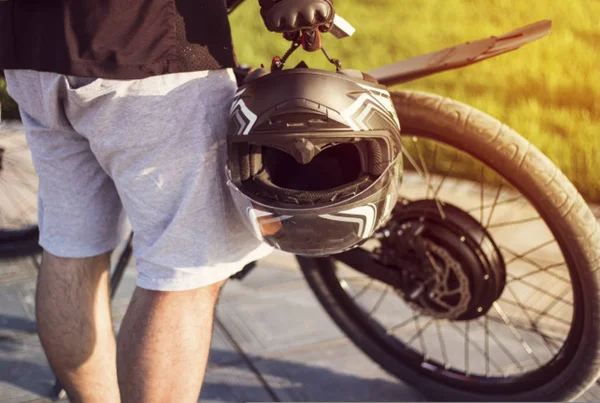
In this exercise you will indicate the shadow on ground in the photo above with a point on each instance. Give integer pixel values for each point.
(293, 381)
(12, 323)
(233, 383)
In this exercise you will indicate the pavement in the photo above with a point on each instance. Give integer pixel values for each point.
(272, 341)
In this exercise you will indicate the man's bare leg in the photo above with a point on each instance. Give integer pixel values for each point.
(75, 327)
(164, 343)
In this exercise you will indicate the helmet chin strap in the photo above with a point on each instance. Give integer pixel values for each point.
(310, 40)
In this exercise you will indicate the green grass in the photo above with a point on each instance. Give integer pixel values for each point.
(549, 91)
(9, 107)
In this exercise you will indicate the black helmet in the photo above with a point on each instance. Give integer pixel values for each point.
(314, 160)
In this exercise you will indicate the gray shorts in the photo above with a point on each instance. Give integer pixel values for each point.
(155, 148)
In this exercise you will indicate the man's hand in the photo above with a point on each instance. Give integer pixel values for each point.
(296, 15)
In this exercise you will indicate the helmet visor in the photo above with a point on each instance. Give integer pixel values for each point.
(321, 230)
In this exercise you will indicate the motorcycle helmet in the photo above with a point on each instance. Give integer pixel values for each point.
(314, 158)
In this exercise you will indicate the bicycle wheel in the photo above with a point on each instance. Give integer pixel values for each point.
(18, 194)
(492, 258)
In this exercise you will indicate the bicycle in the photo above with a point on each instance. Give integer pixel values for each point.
(522, 319)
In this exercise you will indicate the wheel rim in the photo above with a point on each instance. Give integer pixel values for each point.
(18, 186)
(531, 331)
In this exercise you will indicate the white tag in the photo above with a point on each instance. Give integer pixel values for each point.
(341, 28)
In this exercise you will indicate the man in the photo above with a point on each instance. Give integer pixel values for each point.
(125, 106)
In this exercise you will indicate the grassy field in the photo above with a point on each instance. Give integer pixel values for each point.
(548, 91)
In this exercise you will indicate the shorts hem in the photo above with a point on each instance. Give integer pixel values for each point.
(190, 278)
(185, 283)
(78, 253)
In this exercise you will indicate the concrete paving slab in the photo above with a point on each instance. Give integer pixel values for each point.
(281, 319)
(16, 318)
(333, 372)
(24, 371)
(277, 269)
(280, 260)
(233, 384)
(25, 374)
(262, 278)
(222, 351)
(17, 269)
(234, 289)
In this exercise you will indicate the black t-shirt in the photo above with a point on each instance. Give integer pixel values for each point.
(123, 39)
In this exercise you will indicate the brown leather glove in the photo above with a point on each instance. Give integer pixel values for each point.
(296, 15)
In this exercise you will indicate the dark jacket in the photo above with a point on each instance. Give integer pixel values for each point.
(123, 39)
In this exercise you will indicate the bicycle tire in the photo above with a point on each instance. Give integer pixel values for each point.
(557, 201)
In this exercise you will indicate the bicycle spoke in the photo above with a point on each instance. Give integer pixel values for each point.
(22, 165)
(442, 344)
(545, 292)
(402, 324)
(507, 352)
(482, 197)
(448, 172)
(22, 199)
(494, 204)
(537, 311)
(511, 200)
(553, 339)
(425, 170)
(422, 175)
(23, 181)
(515, 222)
(541, 270)
(11, 132)
(419, 334)
(477, 347)
(487, 345)
(515, 332)
(379, 301)
(18, 219)
(363, 290)
(434, 157)
(552, 304)
(467, 371)
(17, 149)
(532, 324)
(517, 256)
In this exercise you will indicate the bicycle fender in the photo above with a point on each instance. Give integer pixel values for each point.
(461, 55)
